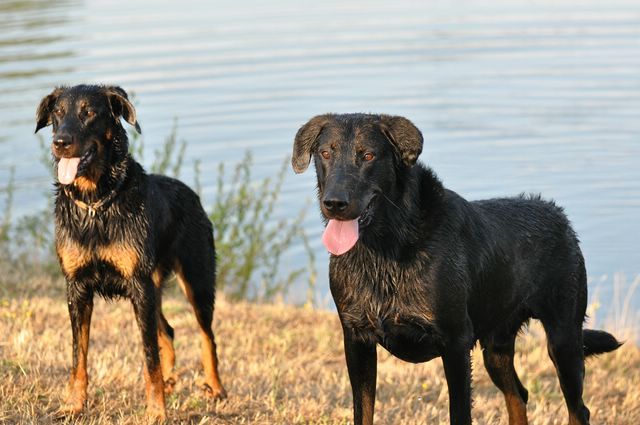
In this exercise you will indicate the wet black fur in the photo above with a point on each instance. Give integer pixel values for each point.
(432, 273)
(159, 217)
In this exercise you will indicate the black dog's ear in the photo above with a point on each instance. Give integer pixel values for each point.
(43, 113)
(121, 107)
(305, 140)
(404, 136)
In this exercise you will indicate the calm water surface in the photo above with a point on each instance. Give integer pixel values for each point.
(535, 96)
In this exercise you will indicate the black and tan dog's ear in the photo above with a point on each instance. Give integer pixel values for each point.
(45, 109)
(122, 107)
(404, 136)
(305, 141)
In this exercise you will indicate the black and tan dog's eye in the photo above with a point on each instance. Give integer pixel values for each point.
(325, 154)
(368, 156)
(90, 113)
(58, 111)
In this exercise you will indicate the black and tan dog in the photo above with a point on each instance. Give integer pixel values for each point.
(120, 233)
(425, 273)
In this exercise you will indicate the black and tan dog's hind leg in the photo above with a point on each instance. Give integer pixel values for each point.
(195, 275)
(165, 340)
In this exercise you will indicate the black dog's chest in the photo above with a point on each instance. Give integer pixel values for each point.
(388, 303)
(412, 338)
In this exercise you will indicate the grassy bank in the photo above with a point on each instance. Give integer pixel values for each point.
(280, 364)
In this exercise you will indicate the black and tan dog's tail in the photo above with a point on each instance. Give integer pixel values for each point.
(598, 342)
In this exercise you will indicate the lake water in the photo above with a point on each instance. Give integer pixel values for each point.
(512, 96)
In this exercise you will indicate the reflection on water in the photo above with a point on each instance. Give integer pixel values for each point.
(512, 96)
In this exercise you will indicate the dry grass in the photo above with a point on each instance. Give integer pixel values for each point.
(280, 364)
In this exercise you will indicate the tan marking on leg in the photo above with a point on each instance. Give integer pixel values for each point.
(157, 277)
(154, 388)
(208, 355)
(165, 342)
(167, 353)
(167, 361)
(79, 379)
(182, 282)
(213, 388)
(122, 257)
(516, 408)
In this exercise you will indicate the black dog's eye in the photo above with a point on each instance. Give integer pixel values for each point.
(325, 154)
(368, 156)
(90, 113)
(58, 111)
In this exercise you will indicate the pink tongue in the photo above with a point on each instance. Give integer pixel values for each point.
(340, 236)
(67, 169)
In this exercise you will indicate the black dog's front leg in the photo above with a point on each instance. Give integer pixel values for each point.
(362, 365)
(457, 369)
(145, 307)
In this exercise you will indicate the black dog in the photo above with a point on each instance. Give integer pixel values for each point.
(120, 232)
(424, 273)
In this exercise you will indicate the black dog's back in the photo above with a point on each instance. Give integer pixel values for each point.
(525, 249)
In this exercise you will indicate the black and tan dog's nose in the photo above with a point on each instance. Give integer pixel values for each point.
(335, 204)
(62, 141)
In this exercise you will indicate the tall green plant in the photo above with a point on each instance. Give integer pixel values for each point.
(250, 242)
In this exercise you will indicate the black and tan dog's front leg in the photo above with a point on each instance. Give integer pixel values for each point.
(362, 366)
(145, 307)
(457, 369)
(80, 305)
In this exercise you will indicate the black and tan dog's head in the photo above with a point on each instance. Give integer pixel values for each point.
(358, 160)
(87, 134)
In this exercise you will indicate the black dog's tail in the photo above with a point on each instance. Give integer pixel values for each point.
(598, 342)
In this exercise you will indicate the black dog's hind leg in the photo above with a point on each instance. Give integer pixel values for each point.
(564, 343)
(145, 307)
(361, 365)
(498, 351)
(197, 280)
(563, 326)
(80, 304)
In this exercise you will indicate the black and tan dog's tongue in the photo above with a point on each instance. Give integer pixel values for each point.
(67, 170)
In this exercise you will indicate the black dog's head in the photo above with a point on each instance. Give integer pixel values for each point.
(87, 133)
(357, 157)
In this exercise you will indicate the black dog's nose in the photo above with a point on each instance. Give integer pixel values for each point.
(335, 205)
